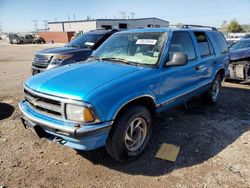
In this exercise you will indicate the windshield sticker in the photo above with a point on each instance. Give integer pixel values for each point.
(146, 41)
(89, 43)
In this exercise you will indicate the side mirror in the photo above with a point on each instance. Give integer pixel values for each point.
(178, 59)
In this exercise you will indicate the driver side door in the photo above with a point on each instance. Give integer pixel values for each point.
(177, 82)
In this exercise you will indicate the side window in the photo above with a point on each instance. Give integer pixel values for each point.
(182, 42)
(220, 41)
(204, 45)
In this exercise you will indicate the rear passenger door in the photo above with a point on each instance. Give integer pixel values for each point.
(206, 54)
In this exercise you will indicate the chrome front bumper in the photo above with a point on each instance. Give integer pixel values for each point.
(63, 127)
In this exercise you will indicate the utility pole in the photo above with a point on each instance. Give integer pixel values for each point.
(69, 22)
(132, 15)
(74, 17)
(45, 23)
(118, 14)
(0, 27)
(123, 13)
(35, 24)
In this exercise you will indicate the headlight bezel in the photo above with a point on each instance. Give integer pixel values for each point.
(82, 108)
(57, 59)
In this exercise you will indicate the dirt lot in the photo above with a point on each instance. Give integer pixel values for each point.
(214, 141)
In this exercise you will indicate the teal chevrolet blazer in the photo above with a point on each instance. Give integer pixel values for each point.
(110, 98)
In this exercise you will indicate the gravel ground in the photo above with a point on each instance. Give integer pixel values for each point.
(214, 141)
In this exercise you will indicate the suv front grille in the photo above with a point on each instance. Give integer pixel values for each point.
(42, 105)
(41, 61)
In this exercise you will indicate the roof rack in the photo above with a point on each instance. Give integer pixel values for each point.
(199, 26)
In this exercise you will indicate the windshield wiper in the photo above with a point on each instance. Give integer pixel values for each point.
(119, 60)
(76, 46)
(95, 58)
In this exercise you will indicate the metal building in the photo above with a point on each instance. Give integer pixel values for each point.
(87, 25)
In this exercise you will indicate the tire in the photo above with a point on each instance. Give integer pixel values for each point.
(212, 95)
(121, 144)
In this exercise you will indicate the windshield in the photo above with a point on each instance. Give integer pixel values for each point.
(240, 45)
(86, 40)
(138, 48)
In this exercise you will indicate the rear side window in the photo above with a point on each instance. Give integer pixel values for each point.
(182, 42)
(220, 41)
(204, 44)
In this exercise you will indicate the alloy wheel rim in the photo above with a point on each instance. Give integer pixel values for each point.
(215, 89)
(135, 134)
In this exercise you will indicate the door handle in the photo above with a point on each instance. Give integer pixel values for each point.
(199, 67)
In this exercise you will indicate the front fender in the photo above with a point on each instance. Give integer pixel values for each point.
(111, 97)
(124, 101)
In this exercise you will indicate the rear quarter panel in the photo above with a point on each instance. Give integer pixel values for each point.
(221, 60)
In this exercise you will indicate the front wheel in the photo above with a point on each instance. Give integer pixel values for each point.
(130, 134)
(212, 95)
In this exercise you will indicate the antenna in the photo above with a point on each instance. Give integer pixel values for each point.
(35, 24)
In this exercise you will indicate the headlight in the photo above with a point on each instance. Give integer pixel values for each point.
(59, 58)
(79, 113)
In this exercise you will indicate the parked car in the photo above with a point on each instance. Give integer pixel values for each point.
(110, 98)
(12, 38)
(22, 39)
(76, 50)
(38, 40)
(246, 36)
(239, 68)
(231, 41)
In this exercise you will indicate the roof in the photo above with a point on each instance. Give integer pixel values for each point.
(136, 19)
(101, 31)
(165, 29)
(160, 29)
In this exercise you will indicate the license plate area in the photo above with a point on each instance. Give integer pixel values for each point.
(34, 128)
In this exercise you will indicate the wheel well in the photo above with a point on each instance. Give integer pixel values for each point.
(148, 102)
(221, 72)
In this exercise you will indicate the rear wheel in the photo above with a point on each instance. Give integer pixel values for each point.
(212, 95)
(130, 134)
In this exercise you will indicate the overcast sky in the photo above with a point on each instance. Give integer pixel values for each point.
(17, 15)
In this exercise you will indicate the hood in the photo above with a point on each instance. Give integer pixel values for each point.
(60, 50)
(75, 81)
(239, 54)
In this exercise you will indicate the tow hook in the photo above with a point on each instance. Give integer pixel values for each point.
(59, 140)
(77, 126)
